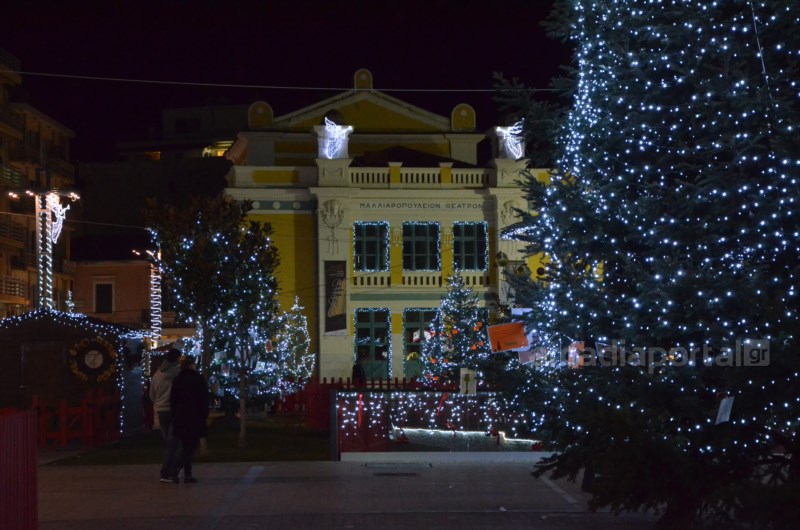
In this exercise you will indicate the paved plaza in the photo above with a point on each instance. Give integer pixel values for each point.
(364, 491)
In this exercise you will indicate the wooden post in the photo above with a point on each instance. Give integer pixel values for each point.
(62, 419)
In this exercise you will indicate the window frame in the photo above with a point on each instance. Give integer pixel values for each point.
(96, 282)
(478, 254)
(362, 242)
(379, 324)
(421, 324)
(432, 254)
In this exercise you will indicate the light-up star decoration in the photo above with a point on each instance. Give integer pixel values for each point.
(335, 139)
(513, 144)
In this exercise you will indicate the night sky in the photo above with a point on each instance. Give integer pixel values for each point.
(433, 44)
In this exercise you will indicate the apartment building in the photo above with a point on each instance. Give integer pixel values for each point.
(34, 158)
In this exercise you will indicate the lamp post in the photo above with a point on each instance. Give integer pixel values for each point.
(50, 215)
(155, 295)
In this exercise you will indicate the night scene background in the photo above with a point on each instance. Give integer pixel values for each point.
(610, 282)
(434, 45)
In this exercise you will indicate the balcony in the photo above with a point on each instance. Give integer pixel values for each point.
(25, 261)
(32, 154)
(13, 287)
(422, 279)
(12, 120)
(11, 176)
(9, 61)
(13, 231)
(426, 178)
(372, 279)
(362, 177)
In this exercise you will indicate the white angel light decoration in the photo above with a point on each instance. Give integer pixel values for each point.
(336, 139)
(513, 142)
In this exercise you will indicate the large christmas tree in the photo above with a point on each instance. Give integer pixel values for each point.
(673, 240)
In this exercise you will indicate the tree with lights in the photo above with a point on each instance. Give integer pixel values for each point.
(457, 337)
(293, 363)
(191, 251)
(672, 234)
(248, 317)
(220, 269)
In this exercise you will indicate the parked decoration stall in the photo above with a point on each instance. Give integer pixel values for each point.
(80, 373)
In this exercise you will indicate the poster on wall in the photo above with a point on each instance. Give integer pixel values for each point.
(335, 296)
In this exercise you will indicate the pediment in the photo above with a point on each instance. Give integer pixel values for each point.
(367, 111)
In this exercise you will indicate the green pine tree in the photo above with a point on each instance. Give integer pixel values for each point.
(672, 233)
(458, 336)
(294, 363)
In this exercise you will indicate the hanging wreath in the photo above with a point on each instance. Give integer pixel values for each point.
(93, 360)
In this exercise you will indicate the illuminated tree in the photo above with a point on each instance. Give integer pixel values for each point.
(220, 268)
(249, 317)
(294, 363)
(671, 230)
(189, 239)
(457, 337)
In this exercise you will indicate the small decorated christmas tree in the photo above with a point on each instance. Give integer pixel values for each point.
(295, 364)
(457, 338)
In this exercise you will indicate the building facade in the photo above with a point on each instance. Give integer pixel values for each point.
(374, 204)
(34, 157)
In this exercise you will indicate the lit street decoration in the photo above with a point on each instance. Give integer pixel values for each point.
(336, 140)
(513, 144)
(50, 215)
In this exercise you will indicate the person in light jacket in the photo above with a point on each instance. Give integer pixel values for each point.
(160, 388)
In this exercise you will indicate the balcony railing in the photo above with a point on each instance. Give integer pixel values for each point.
(372, 279)
(53, 161)
(8, 60)
(12, 230)
(411, 177)
(11, 118)
(24, 261)
(11, 176)
(13, 287)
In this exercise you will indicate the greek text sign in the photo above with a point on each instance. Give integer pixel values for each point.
(419, 205)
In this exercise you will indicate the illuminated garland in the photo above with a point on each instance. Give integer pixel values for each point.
(389, 413)
(155, 302)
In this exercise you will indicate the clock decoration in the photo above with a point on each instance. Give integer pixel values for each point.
(93, 360)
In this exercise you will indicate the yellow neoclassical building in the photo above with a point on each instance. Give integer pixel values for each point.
(374, 202)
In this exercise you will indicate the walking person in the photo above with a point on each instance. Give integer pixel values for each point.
(159, 393)
(189, 404)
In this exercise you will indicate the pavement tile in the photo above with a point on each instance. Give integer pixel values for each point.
(367, 494)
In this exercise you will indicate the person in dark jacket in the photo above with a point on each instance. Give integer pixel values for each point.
(188, 401)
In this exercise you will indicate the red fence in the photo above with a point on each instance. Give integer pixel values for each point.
(18, 501)
(93, 422)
